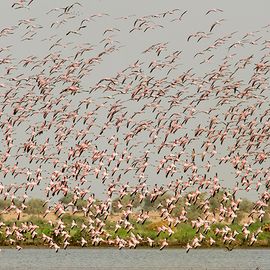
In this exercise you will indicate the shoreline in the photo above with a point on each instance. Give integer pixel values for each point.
(138, 247)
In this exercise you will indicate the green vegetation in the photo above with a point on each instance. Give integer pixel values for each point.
(35, 207)
(182, 234)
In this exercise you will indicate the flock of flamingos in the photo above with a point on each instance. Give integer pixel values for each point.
(180, 120)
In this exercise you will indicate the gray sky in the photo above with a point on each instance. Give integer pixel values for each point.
(241, 17)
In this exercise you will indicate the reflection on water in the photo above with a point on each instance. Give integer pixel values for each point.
(108, 258)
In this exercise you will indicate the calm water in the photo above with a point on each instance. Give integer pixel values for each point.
(135, 259)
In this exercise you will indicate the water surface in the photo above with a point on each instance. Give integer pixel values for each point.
(108, 258)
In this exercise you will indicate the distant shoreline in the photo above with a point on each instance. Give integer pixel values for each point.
(138, 247)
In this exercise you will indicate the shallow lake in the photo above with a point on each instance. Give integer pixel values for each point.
(108, 258)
